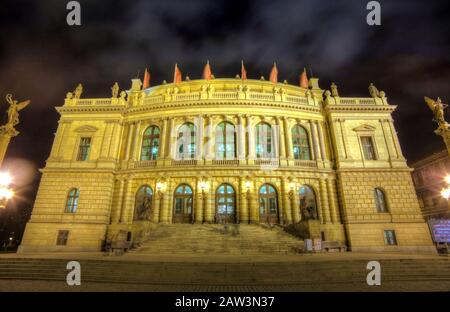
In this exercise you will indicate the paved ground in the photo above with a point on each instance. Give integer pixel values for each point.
(45, 286)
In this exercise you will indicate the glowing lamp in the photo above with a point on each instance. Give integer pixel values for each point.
(446, 193)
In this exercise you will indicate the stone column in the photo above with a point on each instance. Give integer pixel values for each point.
(253, 204)
(116, 213)
(251, 138)
(241, 138)
(106, 140)
(199, 200)
(170, 141)
(394, 135)
(211, 138)
(324, 206)
(129, 140)
(209, 207)
(243, 197)
(115, 141)
(286, 201)
(295, 206)
(157, 206)
(163, 139)
(321, 141)
(136, 140)
(288, 138)
(332, 200)
(164, 214)
(281, 139)
(57, 151)
(344, 138)
(314, 140)
(199, 138)
(125, 201)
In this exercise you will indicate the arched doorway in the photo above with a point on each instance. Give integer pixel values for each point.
(268, 204)
(143, 203)
(225, 204)
(182, 204)
(308, 203)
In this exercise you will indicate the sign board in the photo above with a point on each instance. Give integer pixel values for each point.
(308, 245)
(317, 242)
(440, 230)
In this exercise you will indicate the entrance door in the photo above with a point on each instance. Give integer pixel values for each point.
(182, 204)
(225, 204)
(268, 204)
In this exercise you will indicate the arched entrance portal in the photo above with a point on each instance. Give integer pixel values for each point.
(225, 204)
(268, 204)
(182, 204)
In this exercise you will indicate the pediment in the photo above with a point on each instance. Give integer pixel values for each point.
(364, 128)
(86, 128)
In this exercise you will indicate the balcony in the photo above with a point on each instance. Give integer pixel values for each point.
(305, 163)
(184, 162)
(225, 162)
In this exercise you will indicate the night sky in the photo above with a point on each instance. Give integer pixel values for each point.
(42, 58)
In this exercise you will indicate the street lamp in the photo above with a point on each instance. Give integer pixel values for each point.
(446, 191)
(5, 192)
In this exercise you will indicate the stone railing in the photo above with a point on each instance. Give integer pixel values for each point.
(305, 163)
(144, 164)
(184, 162)
(357, 101)
(222, 162)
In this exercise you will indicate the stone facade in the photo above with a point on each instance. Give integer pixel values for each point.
(333, 166)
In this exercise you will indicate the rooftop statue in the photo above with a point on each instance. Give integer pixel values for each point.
(78, 91)
(437, 107)
(115, 90)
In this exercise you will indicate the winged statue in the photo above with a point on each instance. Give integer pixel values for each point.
(437, 107)
(14, 109)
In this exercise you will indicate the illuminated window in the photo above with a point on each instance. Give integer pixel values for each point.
(268, 204)
(143, 203)
(225, 141)
(225, 203)
(264, 141)
(368, 148)
(186, 141)
(380, 200)
(83, 149)
(72, 200)
(150, 143)
(300, 143)
(183, 203)
(389, 237)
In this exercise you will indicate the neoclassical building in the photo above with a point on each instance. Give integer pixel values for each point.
(227, 150)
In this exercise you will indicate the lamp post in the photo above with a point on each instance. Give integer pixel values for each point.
(6, 193)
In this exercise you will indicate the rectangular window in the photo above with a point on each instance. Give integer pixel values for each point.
(84, 148)
(389, 237)
(368, 148)
(63, 235)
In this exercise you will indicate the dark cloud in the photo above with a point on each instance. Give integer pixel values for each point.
(42, 58)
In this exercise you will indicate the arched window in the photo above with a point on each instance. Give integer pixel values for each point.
(308, 203)
(225, 204)
(225, 141)
(182, 204)
(143, 203)
(380, 200)
(268, 204)
(300, 143)
(264, 141)
(150, 143)
(186, 141)
(72, 200)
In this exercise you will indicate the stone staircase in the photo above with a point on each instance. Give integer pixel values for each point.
(337, 274)
(212, 239)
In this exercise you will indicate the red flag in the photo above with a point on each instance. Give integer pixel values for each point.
(274, 74)
(304, 79)
(146, 83)
(207, 71)
(177, 75)
(243, 71)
